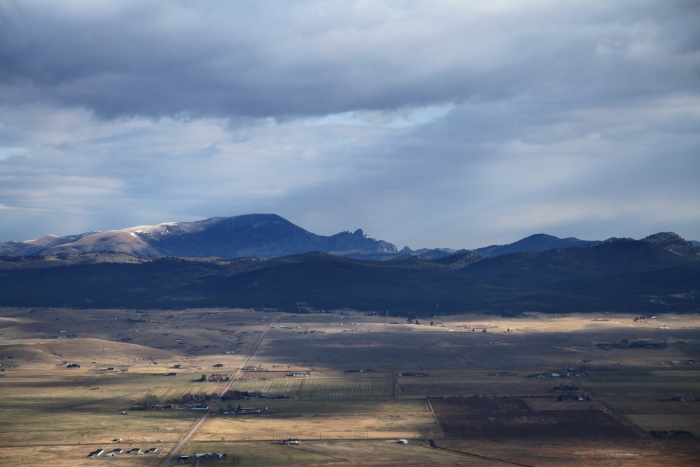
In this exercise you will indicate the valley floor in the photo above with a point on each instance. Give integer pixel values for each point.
(539, 390)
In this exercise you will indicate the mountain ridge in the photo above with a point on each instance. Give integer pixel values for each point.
(271, 236)
(534, 244)
(657, 274)
(259, 235)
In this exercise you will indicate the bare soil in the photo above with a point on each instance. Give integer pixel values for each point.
(513, 418)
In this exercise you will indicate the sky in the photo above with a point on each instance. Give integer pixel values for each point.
(426, 123)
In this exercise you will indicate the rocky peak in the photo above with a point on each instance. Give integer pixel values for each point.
(673, 242)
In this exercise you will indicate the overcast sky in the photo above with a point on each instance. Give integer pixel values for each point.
(426, 123)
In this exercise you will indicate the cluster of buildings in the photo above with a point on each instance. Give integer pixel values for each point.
(117, 451)
(246, 411)
(193, 407)
(218, 378)
(288, 442)
(571, 373)
(209, 455)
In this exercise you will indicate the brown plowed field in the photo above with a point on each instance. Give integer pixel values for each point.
(513, 418)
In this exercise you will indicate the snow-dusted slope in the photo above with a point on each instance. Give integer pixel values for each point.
(258, 235)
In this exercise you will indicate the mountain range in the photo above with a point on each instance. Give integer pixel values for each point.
(534, 244)
(254, 235)
(660, 273)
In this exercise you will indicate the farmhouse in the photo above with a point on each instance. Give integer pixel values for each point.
(193, 407)
(96, 453)
(252, 411)
(218, 378)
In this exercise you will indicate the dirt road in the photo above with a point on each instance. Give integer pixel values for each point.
(198, 424)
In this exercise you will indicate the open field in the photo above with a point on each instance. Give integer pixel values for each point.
(347, 389)
(83, 410)
(320, 426)
(253, 454)
(348, 406)
(338, 453)
(76, 455)
(585, 452)
(514, 418)
(54, 415)
(385, 452)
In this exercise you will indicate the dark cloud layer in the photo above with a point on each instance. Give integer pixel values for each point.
(280, 59)
(425, 123)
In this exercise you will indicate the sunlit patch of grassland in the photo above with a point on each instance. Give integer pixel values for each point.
(244, 454)
(319, 426)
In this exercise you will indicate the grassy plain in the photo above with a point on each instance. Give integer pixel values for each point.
(321, 426)
(54, 415)
(255, 454)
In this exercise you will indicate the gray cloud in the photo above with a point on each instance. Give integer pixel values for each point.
(286, 59)
(429, 124)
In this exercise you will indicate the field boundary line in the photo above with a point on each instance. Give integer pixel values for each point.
(624, 421)
(434, 445)
(435, 417)
(300, 448)
(197, 425)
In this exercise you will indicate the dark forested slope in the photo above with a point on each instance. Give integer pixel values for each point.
(660, 273)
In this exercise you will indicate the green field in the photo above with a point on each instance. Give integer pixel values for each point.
(349, 406)
(347, 389)
(323, 388)
(643, 385)
(278, 387)
(167, 393)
